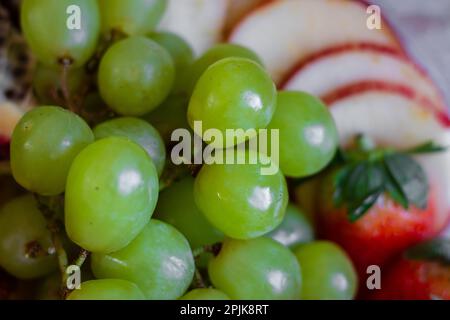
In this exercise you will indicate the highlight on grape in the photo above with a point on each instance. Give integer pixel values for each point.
(264, 142)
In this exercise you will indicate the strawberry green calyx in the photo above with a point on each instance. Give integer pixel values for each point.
(368, 173)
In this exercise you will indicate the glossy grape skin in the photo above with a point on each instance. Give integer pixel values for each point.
(327, 272)
(176, 206)
(44, 24)
(205, 294)
(138, 131)
(20, 224)
(256, 269)
(159, 260)
(180, 51)
(135, 76)
(169, 116)
(308, 135)
(214, 54)
(43, 146)
(107, 289)
(111, 193)
(234, 93)
(294, 230)
(132, 17)
(47, 83)
(239, 201)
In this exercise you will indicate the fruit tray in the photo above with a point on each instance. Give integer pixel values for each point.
(224, 150)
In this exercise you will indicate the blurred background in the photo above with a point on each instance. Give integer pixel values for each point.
(424, 27)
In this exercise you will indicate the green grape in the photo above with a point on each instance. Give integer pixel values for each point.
(308, 134)
(111, 193)
(205, 294)
(22, 226)
(135, 76)
(171, 115)
(180, 51)
(214, 54)
(43, 146)
(158, 260)
(295, 228)
(176, 206)
(256, 269)
(47, 83)
(107, 289)
(45, 26)
(132, 17)
(327, 272)
(138, 131)
(234, 93)
(239, 200)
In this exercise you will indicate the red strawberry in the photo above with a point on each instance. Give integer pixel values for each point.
(419, 274)
(377, 204)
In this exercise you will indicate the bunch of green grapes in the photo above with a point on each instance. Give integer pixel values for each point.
(91, 180)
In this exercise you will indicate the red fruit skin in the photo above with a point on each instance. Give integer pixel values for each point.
(382, 233)
(414, 280)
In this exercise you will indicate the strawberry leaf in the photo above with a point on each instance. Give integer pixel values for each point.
(427, 147)
(362, 207)
(410, 177)
(368, 173)
(434, 250)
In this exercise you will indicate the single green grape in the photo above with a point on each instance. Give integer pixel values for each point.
(214, 54)
(327, 272)
(169, 116)
(159, 260)
(43, 146)
(234, 93)
(107, 289)
(240, 201)
(177, 207)
(51, 29)
(294, 230)
(180, 51)
(138, 131)
(22, 227)
(308, 136)
(256, 269)
(111, 193)
(132, 17)
(47, 83)
(205, 294)
(135, 76)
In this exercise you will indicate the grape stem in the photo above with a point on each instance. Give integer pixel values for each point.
(53, 225)
(65, 63)
(82, 256)
(198, 281)
(214, 249)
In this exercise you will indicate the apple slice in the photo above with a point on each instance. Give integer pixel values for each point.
(238, 9)
(335, 68)
(200, 22)
(10, 114)
(284, 32)
(397, 121)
